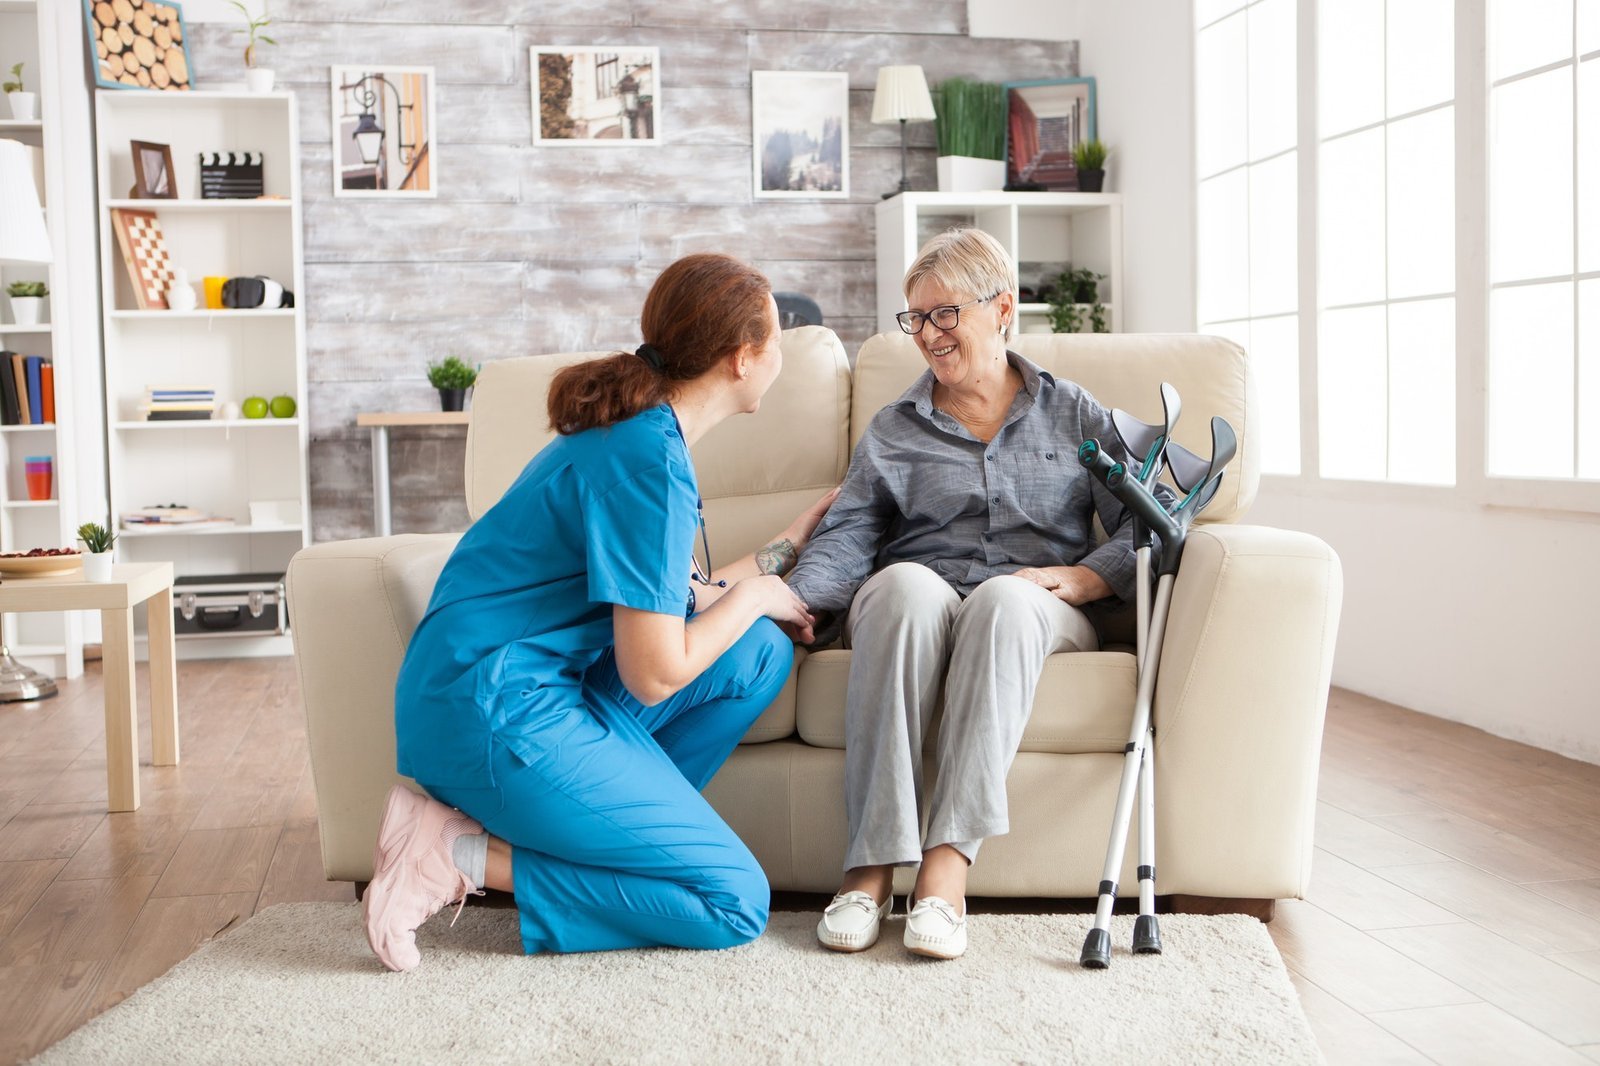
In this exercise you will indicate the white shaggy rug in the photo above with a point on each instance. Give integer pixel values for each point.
(297, 984)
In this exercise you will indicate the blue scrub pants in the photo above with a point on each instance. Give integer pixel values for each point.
(612, 844)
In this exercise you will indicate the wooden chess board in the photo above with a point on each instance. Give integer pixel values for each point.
(144, 252)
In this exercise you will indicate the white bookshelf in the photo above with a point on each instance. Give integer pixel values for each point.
(1081, 228)
(222, 464)
(39, 35)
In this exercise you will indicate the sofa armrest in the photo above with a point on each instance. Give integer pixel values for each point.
(354, 605)
(1240, 698)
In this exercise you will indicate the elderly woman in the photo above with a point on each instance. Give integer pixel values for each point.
(962, 545)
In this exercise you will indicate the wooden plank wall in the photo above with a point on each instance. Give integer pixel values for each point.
(532, 250)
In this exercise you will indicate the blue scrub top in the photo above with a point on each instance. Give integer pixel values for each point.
(523, 606)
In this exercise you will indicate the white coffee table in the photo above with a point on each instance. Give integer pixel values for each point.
(131, 584)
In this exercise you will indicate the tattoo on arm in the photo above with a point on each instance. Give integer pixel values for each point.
(777, 558)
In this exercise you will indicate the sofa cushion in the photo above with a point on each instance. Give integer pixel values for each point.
(1211, 374)
(1084, 702)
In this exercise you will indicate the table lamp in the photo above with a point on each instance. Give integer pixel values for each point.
(902, 96)
(22, 240)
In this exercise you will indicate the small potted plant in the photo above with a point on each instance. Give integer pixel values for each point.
(1090, 159)
(452, 378)
(97, 541)
(969, 121)
(1075, 301)
(22, 102)
(27, 301)
(259, 79)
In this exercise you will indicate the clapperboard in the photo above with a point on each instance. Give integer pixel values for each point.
(230, 175)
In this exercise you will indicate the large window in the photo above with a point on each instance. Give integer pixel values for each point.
(1435, 198)
(1245, 136)
(1386, 250)
(1544, 239)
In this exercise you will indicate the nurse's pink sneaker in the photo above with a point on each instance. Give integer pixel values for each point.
(414, 875)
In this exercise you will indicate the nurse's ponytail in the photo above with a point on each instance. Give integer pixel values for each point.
(701, 310)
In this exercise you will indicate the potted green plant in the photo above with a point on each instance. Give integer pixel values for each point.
(1090, 159)
(259, 79)
(1075, 302)
(27, 301)
(97, 542)
(452, 378)
(22, 102)
(969, 120)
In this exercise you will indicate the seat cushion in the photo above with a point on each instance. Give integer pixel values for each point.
(1084, 702)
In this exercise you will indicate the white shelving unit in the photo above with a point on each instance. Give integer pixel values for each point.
(34, 34)
(218, 465)
(1037, 228)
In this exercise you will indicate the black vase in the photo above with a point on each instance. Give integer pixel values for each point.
(452, 399)
(1091, 180)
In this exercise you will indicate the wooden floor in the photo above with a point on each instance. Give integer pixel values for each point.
(1454, 915)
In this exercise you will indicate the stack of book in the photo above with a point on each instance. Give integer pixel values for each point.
(168, 516)
(170, 405)
(27, 390)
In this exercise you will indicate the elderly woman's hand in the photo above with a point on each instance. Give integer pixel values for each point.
(1076, 585)
(778, 556)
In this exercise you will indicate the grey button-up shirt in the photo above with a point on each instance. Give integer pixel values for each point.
(923, 489)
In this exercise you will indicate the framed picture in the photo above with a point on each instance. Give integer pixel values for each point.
(595, 96)
(1045, 120)
(152, 172)
(144, 47)
(383, 132)
(801, 134)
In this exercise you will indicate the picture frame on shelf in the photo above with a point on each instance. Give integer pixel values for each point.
(384, 142)
(153, 177)
(595, 96)
(1045, 121)
(800, 125)
(139, 48)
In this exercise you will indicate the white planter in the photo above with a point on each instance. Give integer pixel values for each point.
(22, 105)
(961, 173)
(259, 79)
(27, 310)
(97, 565)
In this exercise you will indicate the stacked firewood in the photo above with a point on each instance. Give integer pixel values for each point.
(140, 42)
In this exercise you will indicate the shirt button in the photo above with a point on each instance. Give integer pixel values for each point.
(1049, 455)
(989, 457)
(994, 499)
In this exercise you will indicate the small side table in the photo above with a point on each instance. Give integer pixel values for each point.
(379, 422)
(131, 584)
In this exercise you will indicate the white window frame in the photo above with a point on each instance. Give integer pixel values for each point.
(1473, 488)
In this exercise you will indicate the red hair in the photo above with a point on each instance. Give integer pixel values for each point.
(701, 310)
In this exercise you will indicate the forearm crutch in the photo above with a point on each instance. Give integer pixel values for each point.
(1200, 479)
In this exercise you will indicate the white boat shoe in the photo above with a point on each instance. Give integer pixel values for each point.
(933, 928)
(852, 921)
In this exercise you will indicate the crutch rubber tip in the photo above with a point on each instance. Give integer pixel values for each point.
(1096, 950)
(1146, 935)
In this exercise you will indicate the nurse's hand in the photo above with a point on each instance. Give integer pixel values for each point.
(779, 603)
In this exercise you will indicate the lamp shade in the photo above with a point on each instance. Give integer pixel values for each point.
(902, 95)
(22, 235)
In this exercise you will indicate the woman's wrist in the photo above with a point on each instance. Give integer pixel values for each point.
(778, 557)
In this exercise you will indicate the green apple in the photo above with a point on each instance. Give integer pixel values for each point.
(254, 407)
(282, 407)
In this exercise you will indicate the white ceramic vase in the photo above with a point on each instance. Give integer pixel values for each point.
(26, 309)
(22, 105)
(961, 173)
(259, 79)
(97, 565)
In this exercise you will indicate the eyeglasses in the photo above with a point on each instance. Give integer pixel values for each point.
(947, 316)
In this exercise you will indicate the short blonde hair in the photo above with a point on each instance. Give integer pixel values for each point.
(966, 260)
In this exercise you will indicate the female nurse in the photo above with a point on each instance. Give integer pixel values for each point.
(580, 674)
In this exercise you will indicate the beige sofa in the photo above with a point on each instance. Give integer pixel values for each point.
(1243, 677)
